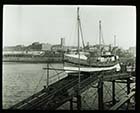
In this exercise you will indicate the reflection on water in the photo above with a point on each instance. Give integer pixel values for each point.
(20, 80)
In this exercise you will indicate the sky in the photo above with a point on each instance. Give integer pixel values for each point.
(25, 24)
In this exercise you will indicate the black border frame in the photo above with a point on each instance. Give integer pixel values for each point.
(82, 2)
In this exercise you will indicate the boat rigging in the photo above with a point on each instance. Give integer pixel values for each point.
(81, 63)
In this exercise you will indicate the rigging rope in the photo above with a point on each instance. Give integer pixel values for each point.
(76, 26)
(38, 83)
(81, 34)
(102, 36)
(57, 73)
(71, 33)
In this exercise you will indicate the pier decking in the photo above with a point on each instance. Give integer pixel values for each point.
(53, 96)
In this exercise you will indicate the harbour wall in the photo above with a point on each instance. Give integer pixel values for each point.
(33, 59)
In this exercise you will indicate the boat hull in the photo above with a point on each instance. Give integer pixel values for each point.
(70, 69)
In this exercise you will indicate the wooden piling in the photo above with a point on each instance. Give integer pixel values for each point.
(78, 102)
(71, 104)
(113, 93)
(100, 95)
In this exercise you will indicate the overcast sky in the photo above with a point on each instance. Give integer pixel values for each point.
(24, 24)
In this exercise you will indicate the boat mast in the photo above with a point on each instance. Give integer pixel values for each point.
(100, 36)
(81, 33)
(115, 43)
(114, 40)
(101, 40)
(78, 19)
(99, 32)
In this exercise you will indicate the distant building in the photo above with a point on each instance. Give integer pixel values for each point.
(14, 48)
(12, 52)
(35, 43)
(46, 47)
(59, 47)
(132, 50)
(23, 52)
(35, 46)
(62, 42)
(9, 48)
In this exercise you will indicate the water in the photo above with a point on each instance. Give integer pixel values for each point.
(21, 80)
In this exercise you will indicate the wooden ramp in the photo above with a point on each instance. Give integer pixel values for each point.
(63, 90)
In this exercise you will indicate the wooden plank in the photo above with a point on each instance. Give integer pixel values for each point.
(122, 101)
(69, 83)
(115, 76)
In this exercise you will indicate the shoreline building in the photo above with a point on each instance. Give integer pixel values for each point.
(132, 50)
(59, 47)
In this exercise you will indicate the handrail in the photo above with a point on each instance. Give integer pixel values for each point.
(121, 102)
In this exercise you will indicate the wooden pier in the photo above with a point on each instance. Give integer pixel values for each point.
(64, 90)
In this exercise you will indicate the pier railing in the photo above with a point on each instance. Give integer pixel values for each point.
(54, 95)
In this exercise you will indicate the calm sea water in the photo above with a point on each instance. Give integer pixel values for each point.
(20, 80)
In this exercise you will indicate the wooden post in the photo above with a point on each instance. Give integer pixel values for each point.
(78, 102)
(79, 78)
(113, 93)
(128, 91)
(71, 104)
(100, 95)
(47, 81)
